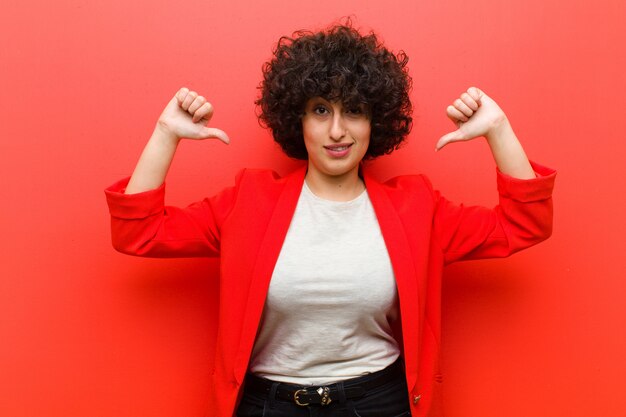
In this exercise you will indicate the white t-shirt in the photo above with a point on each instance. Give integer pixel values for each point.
(332, 297)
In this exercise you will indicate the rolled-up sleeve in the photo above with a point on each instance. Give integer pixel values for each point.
(522, 218)
(142, 225)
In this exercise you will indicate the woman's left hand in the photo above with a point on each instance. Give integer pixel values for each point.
(475, 114)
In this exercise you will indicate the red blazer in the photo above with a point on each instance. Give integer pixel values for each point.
(245, 226)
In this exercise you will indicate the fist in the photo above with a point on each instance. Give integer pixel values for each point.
(475, 114)
(187, 115)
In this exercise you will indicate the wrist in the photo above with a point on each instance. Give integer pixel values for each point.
(500, 130)
(164, 135)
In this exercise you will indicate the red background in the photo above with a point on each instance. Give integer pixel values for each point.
(86, 331)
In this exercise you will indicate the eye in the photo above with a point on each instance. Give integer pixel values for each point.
(320, 110)
(357, 111)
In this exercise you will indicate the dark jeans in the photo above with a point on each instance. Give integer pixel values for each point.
(389, 400)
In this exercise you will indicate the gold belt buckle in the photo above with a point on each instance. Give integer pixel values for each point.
(323, 392)
(297, 400)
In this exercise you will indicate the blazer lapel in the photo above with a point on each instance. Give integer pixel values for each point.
(398, 247)
(271, 245)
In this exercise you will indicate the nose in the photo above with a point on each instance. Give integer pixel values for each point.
(337, 127)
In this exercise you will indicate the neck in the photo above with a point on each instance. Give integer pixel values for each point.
(336, 188)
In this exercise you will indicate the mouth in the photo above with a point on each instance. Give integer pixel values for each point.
(338, 147)
(338, 150)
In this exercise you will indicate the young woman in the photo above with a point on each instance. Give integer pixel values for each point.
(330, 281)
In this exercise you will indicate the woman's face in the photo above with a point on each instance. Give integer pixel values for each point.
(336, 137)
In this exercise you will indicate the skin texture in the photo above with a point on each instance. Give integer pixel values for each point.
(187, 114)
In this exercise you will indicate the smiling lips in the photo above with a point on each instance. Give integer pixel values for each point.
(338, 150)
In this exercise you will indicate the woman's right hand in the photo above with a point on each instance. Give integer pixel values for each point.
(186, 116)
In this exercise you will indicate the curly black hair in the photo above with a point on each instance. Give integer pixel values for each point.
(336, 64)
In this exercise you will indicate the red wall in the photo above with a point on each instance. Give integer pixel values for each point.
(89, 332)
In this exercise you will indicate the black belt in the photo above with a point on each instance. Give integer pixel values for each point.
(304, 395)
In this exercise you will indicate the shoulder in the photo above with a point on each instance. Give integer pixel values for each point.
(400, 184)
(264, 187)
(257, 176)
(267, 178)
(406, 193)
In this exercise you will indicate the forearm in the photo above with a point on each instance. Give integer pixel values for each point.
(154, 162)
(508, 152)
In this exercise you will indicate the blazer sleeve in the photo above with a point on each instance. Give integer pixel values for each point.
(522, 218)
(142, 225)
